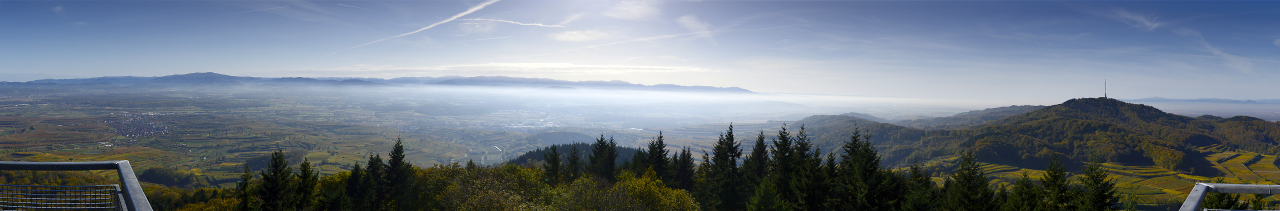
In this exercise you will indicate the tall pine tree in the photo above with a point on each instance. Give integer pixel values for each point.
(574, 168)
(1099, 192)
(862, 184)
(921, 193)
(809, 178)
(724, 181)
(307, 181)
(657, 157)
(603, 155)
(552, 166)
(399, 173)
(756, 166)
(376, 172)
(1058, 192)
(244, 192)
(277, 184)
(968, 189)
(784, 168)
(1024, 195)
(358, 189)
(683, 170)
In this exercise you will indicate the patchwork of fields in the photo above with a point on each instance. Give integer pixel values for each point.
(1155, 185)
(179, 130)
(215, 146)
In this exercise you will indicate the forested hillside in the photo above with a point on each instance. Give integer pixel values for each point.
(1119, 132)
(1077, 129)
(534, 156)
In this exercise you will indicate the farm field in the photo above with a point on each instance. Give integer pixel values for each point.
(1155, 185)
(215, 134)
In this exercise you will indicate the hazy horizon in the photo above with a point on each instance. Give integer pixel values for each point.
(988, 53)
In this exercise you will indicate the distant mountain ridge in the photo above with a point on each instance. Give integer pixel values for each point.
(216, 79)
(968, 119)
(866, 117)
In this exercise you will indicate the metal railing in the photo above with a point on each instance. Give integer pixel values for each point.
(93, 197)
(62, 197)
(1196, 197)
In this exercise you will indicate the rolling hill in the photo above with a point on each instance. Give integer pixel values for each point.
(968, 119)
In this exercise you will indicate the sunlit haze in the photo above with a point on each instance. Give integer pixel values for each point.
(987, 53)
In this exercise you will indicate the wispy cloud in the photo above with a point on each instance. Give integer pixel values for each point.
(351, 6)
(491, 38)
(702, 29)
(1141, 21)
(58, 10)
(1277, 43)
(476, 28)
(1230, 60)
(634, 9)
(512, 22)
(454, 17)
(581, 36)
(659, 37)
(571, 18)
(273, 8)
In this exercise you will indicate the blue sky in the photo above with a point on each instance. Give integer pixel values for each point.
(1035, 52)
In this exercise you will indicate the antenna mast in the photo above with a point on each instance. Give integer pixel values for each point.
(1104, 88)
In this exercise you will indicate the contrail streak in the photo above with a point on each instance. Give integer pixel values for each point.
(455, 17)
(507, 21)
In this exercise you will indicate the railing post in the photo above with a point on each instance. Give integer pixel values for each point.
(132, 190)
(1195, 198)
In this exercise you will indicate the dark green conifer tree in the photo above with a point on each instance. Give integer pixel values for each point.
(812, 193)
(574, 169)
(308, 180)
(552, 166)
(603, 155)
(683, 170)
(244, 192)
(1058, 192)
(784, 168)
(397, 179)
(968, 189)
(657, 157)
(376, 173)
(756, 166)
(723, 178)
(277, 184)
(1099, 192)
(1025, 194)
(638, 162)
(921, 193)
(471, 165)
(860, 185)
(358, 189)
